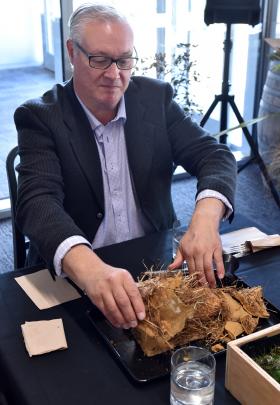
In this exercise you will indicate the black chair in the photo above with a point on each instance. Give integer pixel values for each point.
(3, 400)
(19, 242)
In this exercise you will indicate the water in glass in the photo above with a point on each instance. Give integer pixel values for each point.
(192, 383)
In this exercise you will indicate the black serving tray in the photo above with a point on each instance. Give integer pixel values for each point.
(130, 355)
(127, 351)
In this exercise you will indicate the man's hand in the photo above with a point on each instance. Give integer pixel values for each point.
(111, 289)
(201, 245)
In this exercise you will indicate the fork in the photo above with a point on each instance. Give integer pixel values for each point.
(254, 245)
(239, 249)
(231, 264)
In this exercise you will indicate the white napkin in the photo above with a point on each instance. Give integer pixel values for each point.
(240, 236)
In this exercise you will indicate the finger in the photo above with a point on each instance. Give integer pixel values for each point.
(191, 265)
(177, 262)
(112, 312)
(208, 270)
(135, 298)
(199, 268)
(219, 263)
(125, 307)
(105, 302)
(100, 305)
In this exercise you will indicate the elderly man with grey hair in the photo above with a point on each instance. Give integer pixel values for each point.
(96, 166)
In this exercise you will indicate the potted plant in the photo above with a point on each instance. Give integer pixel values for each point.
(179, 70)
(268, 129)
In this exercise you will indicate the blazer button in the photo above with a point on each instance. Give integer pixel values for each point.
(99, 215)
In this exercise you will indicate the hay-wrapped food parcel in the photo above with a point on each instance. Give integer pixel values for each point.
(179, 311)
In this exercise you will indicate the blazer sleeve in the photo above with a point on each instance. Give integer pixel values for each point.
(40, 212)
(190, 146)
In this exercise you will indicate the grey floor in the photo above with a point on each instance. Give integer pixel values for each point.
(253, 199)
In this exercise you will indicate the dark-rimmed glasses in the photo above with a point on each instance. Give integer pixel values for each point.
(104, 62)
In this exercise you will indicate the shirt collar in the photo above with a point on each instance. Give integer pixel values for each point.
(95, 123)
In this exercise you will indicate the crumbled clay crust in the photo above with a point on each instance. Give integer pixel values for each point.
(179, 311)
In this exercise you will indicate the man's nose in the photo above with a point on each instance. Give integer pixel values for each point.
(113, 71)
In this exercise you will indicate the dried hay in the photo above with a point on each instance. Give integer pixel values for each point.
(179, 311)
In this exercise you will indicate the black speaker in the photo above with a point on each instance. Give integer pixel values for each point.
(232, 12)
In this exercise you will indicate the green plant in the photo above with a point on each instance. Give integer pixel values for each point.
(180, 71)
(275, 57)
(270, 362)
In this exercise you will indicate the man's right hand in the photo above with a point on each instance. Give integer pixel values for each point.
(111, 289)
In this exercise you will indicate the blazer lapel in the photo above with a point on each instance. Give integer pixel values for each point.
(139, 135)
(83, 143)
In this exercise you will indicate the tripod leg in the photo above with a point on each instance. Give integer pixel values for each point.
(255, 151)
(209, 111)
(240, 168)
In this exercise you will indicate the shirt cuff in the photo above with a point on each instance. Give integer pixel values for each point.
(215, 194)
(64, 248)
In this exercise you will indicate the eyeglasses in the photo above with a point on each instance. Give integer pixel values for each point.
(104, 62)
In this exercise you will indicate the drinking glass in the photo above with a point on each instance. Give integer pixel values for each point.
(192, 376)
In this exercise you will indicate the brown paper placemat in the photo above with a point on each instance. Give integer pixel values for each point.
(46, 292)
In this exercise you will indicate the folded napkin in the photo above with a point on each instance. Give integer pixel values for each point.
(264, 243)
(248, 240)
(43, 336)
(232, 241)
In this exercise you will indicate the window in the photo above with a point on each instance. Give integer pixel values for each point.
(28, 66)
(161, 6)
(158, 26)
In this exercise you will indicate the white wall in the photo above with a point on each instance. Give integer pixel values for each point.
(20, 33)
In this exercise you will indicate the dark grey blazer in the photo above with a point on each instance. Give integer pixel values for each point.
(60, 181)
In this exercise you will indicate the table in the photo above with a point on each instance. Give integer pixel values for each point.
(86, 372)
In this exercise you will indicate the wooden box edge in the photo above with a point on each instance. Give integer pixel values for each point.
(250, 384)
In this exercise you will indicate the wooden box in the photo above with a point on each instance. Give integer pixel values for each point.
(245, 379)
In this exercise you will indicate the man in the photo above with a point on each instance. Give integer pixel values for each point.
(96, 167)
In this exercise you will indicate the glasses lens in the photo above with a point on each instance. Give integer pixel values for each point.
(103, 62)
(100, 62)
(126, 63)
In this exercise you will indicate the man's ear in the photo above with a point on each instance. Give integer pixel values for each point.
(70, 49)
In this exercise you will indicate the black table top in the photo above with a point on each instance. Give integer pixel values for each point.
(86, 372)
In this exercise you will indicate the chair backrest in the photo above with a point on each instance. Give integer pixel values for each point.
(19, 243)
(3, 400)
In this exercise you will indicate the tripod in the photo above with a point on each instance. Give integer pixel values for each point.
(225, 98)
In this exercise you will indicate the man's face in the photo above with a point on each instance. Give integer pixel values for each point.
(101, 90)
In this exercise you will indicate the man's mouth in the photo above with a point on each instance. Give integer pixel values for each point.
(109, 86)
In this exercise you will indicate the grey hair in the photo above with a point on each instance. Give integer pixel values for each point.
(89, 12)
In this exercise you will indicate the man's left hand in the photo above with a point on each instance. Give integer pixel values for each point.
(201, 245)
